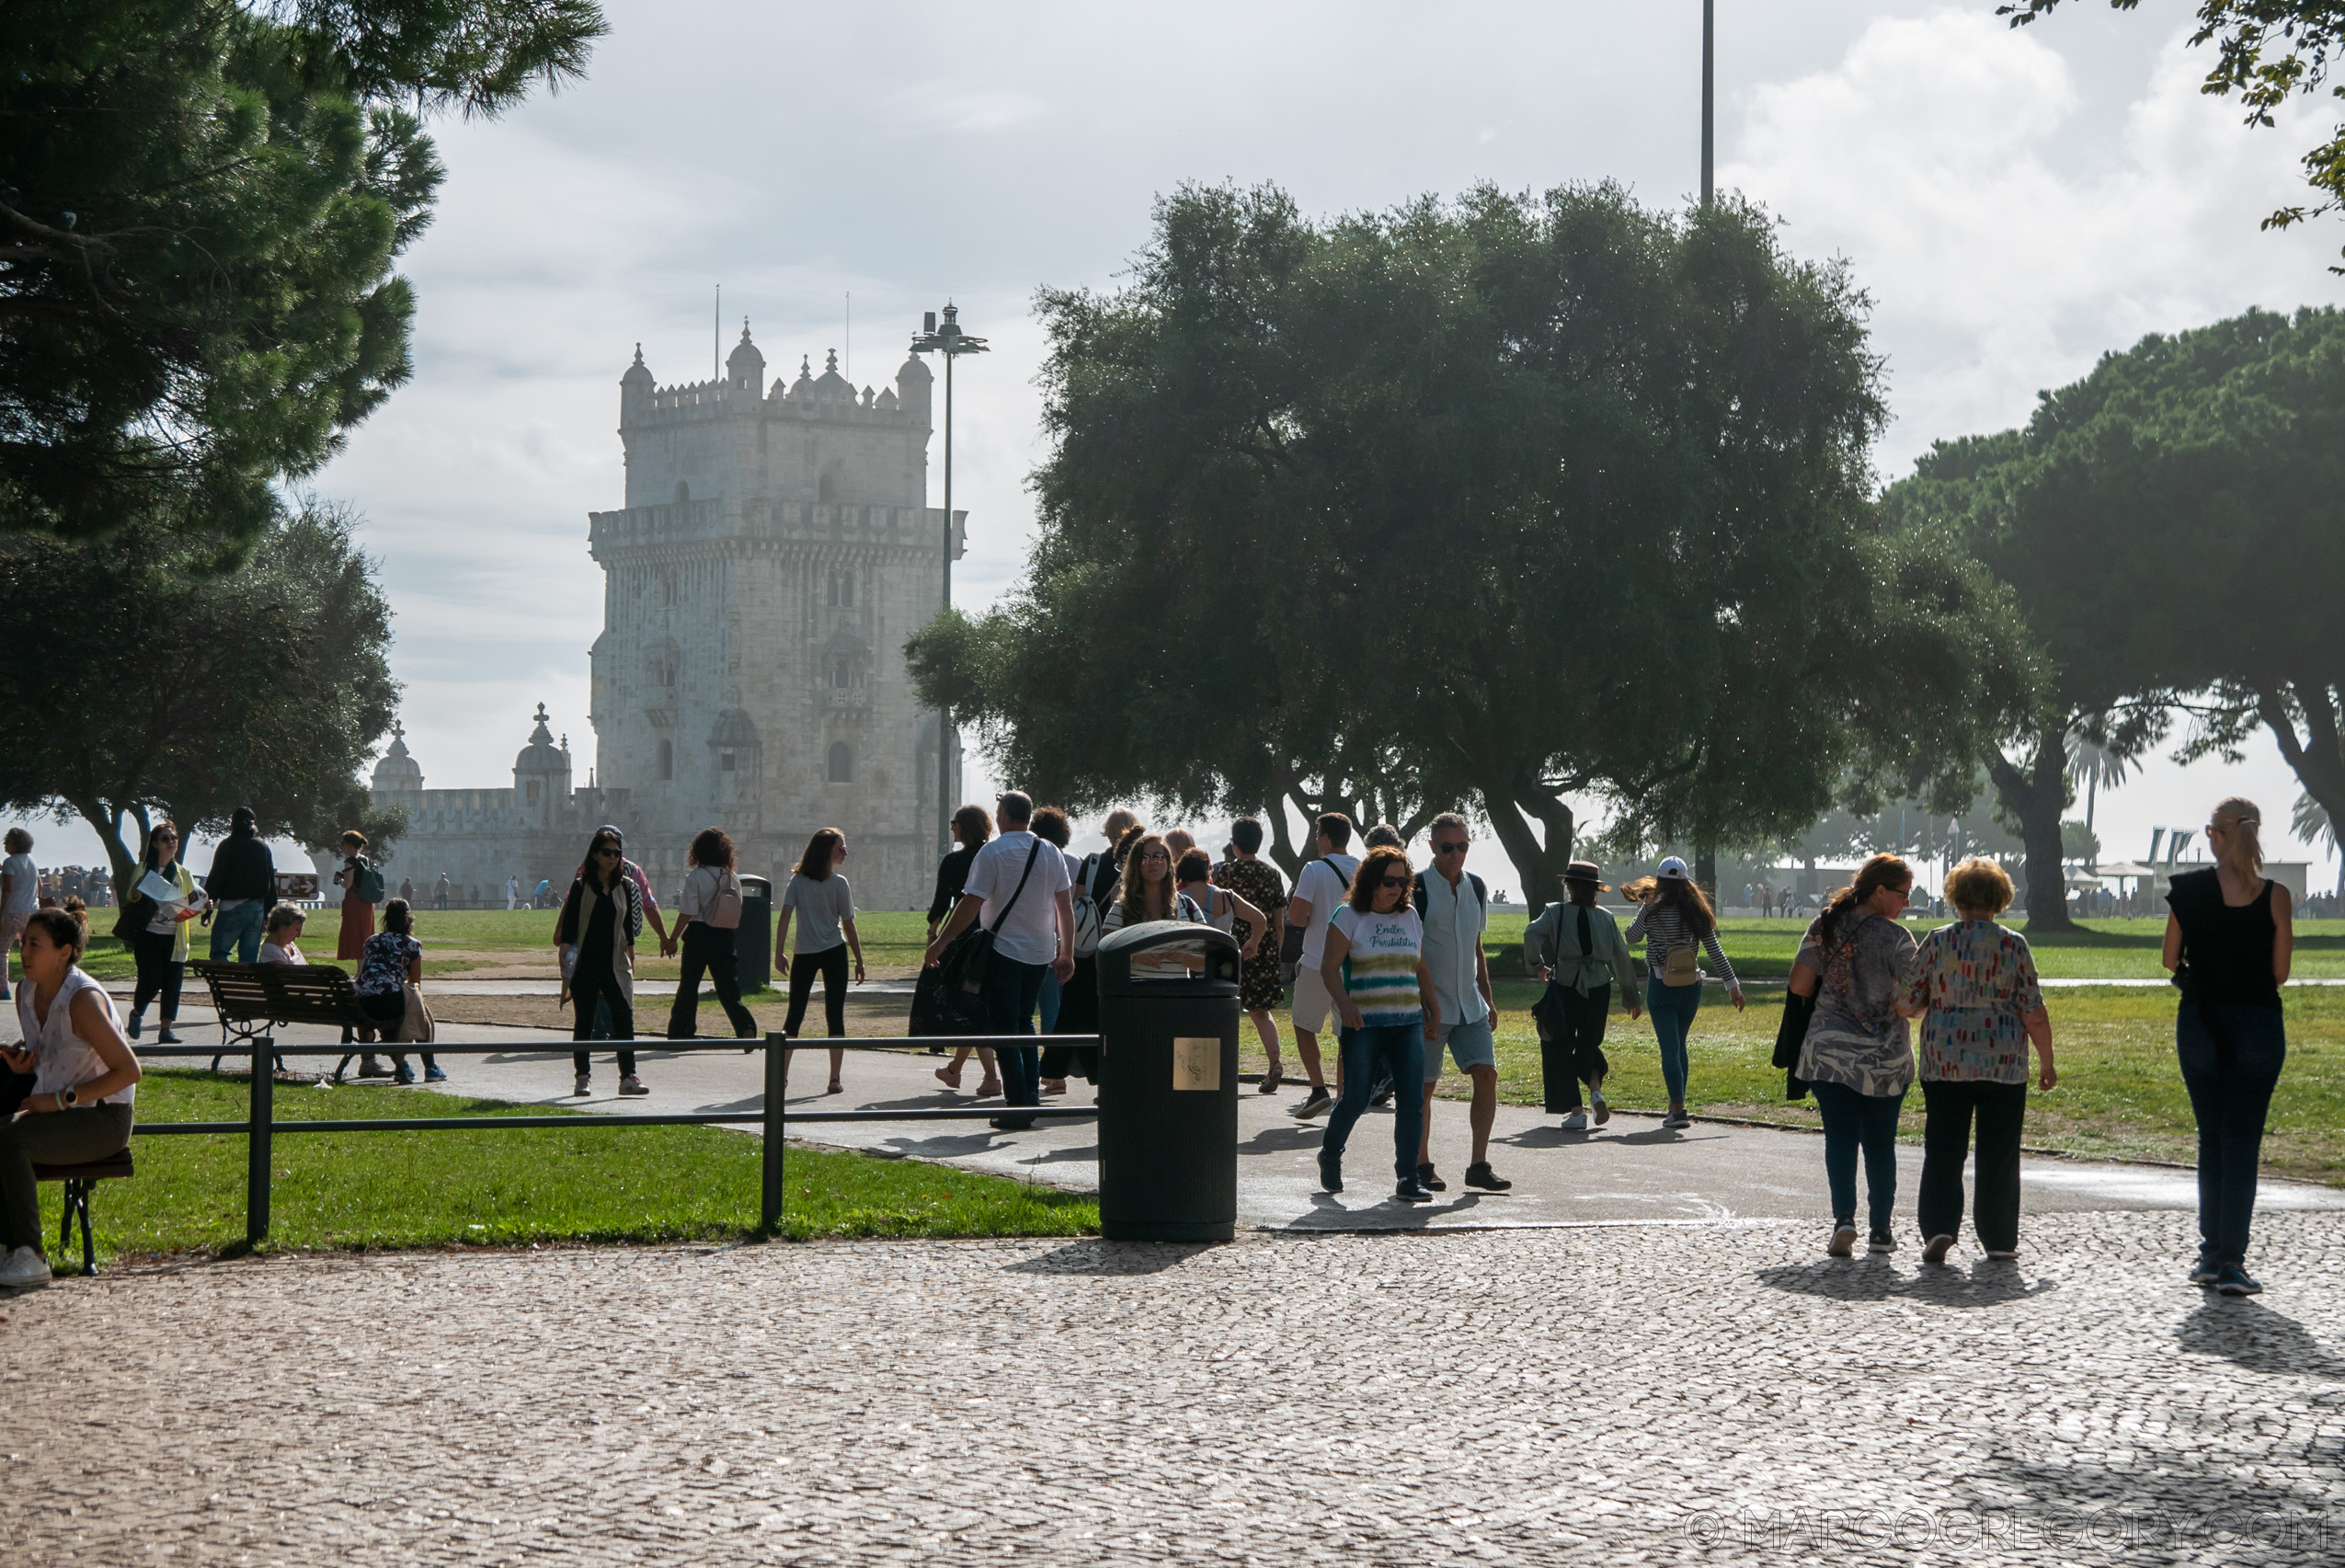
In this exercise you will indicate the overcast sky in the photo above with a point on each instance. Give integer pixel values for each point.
(2017, 203)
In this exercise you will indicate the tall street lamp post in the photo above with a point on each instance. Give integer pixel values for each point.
(1709, 61)
(951, 342)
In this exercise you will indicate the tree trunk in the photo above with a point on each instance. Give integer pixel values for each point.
(1540, 865)
(1282, 846)
(1706, 873)
(2037, 796)
(107, 823)
(2318, 756)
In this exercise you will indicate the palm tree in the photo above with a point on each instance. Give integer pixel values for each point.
(2310, 822)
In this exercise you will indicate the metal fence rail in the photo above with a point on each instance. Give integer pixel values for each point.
(261, 1124)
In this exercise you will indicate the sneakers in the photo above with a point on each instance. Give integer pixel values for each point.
(1411, 1190)
(1880, 1241)
(585, 1084)
(2234, 1281)
(1377, 1102)
(2204, 1273)
(2002, 1254)
(369, 1068)
(1576, 1122)
(1936, 1249)
(24, 1266)
(1331, 1171)
(1481, 1176)
(405, 1074)
(1676, 1119)
(1430, 1179)
(1603, 1111)
(1844, 1241)
(1316, 1102)
(138, 1021)
(989, 1089)
(631, 1084)
(1053, 1086)
(435, 1075)
(949, 1076)
(164, 1036)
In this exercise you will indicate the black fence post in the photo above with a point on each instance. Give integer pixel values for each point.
(769, 1215)
(257, 1149)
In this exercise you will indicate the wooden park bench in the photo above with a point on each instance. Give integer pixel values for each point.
(252, 1000)
(79, 1180)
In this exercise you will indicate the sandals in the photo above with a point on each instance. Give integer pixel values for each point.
(1271, 1081)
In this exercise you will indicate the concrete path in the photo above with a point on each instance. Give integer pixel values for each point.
(1629, 1172)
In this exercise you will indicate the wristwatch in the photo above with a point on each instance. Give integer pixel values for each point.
(67, 1099)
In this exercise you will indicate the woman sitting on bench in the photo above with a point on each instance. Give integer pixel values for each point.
(84, 1083)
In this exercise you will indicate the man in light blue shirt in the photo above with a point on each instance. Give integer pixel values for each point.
(1456, 911)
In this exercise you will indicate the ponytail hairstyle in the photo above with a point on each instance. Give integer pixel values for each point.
(67, 928)
(1881, 871)
(398, 918)
(2239, 821)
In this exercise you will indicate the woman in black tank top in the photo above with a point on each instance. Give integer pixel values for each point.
(2228, 940)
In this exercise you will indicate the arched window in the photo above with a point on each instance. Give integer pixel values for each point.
(826, 488)
(841, 673)
(533, 791)
(843, 589)
(667, 759)
(724, 762)
(683, 493)
(842, 763)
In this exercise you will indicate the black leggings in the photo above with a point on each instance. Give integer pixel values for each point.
(157, 973)
(707, 948)
(588, 987)
(1578, 1053)
(831, 963)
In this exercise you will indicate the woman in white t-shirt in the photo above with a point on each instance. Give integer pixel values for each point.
(1373, 967)
(84, 1080)
(280, 938)
(19, 896)
(708, 924)
(820, 896)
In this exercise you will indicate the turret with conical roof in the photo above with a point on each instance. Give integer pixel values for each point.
(745, 366)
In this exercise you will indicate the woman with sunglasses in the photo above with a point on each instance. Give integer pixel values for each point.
(160, 944)
(1373, 967)
(1857, 961)
(2230, 940)
(602, 917)
(1151, 892)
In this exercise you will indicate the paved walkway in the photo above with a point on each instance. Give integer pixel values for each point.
(1655, 1394)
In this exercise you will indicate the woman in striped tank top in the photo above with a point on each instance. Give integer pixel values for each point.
(1373, 967)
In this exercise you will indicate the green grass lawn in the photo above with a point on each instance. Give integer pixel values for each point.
(2119, 1094)
(392, 1189)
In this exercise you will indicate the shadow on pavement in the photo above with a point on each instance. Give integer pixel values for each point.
(1093, 1255)
(1875, 1278)
(2250, 1334)
(1271, 1139)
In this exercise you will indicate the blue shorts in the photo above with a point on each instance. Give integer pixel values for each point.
(1470, 1046)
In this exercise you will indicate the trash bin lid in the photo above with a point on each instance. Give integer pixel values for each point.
(756, 887)
(1201, 959)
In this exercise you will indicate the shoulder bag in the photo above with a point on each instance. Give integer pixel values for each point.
(965, 963)
(1290, 938)
(723, 911)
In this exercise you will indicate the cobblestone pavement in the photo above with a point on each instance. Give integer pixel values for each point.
(1720, 1394)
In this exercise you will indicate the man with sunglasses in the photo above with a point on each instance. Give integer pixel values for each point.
(1455, 906)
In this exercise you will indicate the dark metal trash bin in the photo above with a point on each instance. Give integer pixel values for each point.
(753, 943)
(1168, 1084)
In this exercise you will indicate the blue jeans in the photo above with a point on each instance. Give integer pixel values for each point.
(1673, 1008)
(237, 932)
(1396, 1052)
(2230, 1091)
(1854, 1121)
(1011, 991)
(1048, 998)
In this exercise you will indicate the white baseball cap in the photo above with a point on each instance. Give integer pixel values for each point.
(1673, 870)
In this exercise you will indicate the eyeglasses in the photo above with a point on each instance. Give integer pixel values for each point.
(607, 849)
(1156, 854)
(1396, 882)
(1454, 847)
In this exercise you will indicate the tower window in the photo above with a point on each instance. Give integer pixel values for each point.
(725, 762)
(842, 763)
(530, 793)
(841, 674)
(667, 759)
(843, 589)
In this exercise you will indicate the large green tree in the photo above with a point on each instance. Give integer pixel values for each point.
(201, 202)
(140, 684)
(1507, 500)
(2266, 53)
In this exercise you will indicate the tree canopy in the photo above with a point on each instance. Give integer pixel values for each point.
(136, 684)
(1507, 500)
(199, 205)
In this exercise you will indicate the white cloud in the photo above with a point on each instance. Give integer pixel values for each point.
(1926, 157)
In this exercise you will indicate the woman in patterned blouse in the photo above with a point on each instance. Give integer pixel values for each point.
(1975, 988)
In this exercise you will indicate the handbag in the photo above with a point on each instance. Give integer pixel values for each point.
(1789, 1036)
(965, 963)
(417, 1028)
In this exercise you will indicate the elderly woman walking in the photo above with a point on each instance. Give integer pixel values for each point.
(1975, 991)
(2229, 942)
(1576, 948)
(1857, 1055)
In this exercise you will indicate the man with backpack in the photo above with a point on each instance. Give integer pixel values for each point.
(1454, 906)
(1320, 891)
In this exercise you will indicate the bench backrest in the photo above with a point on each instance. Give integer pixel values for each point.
(280, 993)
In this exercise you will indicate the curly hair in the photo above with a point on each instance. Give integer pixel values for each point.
(713, 847)
(1370, 877)
(1978, 886)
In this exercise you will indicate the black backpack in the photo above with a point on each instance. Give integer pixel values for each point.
(1482, 893)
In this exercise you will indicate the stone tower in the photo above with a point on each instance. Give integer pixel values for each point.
(775, 550)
